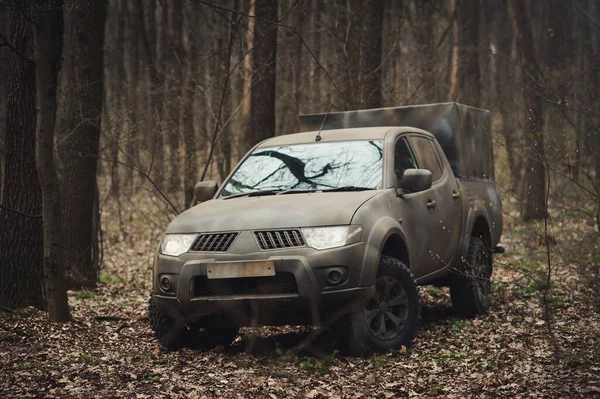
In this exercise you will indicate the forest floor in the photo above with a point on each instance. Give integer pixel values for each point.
(513, 352)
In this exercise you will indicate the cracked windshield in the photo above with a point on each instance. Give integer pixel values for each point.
(313, 166)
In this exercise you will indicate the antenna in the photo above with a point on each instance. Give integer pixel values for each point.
(318, 137)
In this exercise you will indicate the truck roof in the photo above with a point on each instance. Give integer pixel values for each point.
(361, 133)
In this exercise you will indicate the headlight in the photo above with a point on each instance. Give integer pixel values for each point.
(177, 244)
(331, 237)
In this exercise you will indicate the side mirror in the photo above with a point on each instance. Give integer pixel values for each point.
(205, 190)
(415, 180)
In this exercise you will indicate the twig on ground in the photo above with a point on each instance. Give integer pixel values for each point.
(122, 326)
(111, 318)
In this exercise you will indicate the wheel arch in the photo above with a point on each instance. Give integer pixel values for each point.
(481, 229)
(396, 248)
(477, 225)
(386, 238)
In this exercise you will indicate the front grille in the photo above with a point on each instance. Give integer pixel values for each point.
(275, 239)
(217, 242)
(281, 283)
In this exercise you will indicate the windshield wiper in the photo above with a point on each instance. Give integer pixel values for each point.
(254, 193)
(296, 191)
(347, 188)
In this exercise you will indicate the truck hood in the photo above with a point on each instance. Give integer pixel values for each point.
(271, 212)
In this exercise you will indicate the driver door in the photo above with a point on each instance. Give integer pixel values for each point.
(415, 213)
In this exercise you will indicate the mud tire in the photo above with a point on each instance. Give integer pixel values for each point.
(171, 334)
(470, 288)
(361, 340)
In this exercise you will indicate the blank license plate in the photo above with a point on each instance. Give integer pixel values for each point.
(241, 269)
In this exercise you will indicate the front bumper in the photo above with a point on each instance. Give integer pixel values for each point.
(310, 302)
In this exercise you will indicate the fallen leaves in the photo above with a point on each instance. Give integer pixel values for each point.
(111, 351)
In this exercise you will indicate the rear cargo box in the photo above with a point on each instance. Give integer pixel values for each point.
(463, 132)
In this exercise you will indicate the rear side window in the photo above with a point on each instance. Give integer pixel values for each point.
(427, 156)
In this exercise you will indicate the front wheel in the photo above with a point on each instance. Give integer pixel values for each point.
(389, 319)
(171, 334)
(206, 338)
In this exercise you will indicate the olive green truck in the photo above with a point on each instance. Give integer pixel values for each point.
(337, 226)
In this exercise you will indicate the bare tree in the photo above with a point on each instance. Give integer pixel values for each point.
(132, 60)
(465, 85)
(248, 63)
(81, 115)
(535, 171)
(194, 30)
(364, 43)
(152, 40)
(264, 61)
(21, 272)
(48, 51)
(505, 77)
(174, 55)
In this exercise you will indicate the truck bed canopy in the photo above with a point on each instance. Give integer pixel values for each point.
(463, 132)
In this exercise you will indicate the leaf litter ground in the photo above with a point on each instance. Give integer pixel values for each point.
(513, 352)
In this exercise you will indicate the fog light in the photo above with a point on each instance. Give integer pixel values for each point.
(166, 283)
(335, 276)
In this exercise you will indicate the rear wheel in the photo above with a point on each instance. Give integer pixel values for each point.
(390, 318)
(470, 287)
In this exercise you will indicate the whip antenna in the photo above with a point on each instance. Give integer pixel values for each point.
(318, 137)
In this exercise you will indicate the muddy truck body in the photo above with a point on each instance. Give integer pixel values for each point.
(337, 226)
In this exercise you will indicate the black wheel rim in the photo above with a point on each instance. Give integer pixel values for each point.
(482, 273)
(386, 313)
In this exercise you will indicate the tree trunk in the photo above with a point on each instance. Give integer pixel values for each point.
(114, 105)
(245, 144)
(190, 139)
(364, 53)
(152, 33)
(535, 172)
(48, 51)
(131, 55)
(21, 257)
(594, 91)
(426, 48)
(225, 137)
(262, 96)
(5, 53)
(315, 25)
(505, 88)
(84, 25)
(464, 77)
(174, 55)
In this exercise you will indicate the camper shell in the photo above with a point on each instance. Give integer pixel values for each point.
(464, 132)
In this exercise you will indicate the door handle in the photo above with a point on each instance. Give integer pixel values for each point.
(431, 204)
(455, 194)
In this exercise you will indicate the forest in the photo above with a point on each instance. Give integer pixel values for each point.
(112, 110)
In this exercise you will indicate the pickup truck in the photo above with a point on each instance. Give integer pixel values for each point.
(337, 226)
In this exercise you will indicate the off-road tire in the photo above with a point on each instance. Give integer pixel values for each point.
(470, 288)
(171, 334)
(360, 340)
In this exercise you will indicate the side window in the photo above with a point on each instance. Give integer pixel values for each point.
(427, 157)
(403, 158)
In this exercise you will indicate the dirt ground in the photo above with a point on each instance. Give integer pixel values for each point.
(513, 352)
